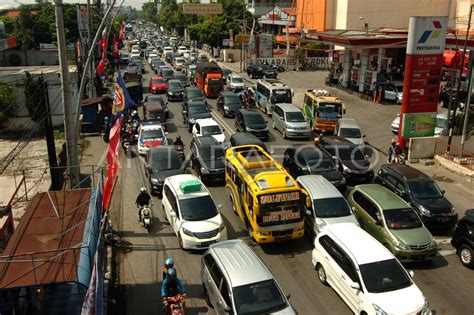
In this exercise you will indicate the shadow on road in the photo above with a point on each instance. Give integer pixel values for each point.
(437, 262)
(288, 248)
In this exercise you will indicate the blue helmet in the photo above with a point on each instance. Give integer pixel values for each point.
(169, 263)
(171, 273)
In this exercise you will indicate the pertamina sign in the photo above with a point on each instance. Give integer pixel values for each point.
(423, 68)
(202, 9)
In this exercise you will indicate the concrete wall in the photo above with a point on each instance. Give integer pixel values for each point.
(387, 13)
(421, 148)
(15, 58)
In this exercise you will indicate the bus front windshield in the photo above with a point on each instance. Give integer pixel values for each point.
(281, 96)
(279, 208)
(329, 110)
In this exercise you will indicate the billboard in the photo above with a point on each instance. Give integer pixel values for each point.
(202, 9)
(423, 68)
(419, 124)
(83, 22)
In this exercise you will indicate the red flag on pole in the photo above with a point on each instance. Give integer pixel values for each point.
(120, 39)
(116, 53)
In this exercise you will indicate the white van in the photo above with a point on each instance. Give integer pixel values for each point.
(349, 128)
(328, 205)
(365, 274)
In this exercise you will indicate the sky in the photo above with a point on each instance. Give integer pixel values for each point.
(6, 4)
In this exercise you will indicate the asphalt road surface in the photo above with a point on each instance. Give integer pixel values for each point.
(445, 282)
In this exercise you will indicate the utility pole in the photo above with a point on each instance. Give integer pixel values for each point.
(468, 101)
(69, 124)
(49, 133)
(89, 44)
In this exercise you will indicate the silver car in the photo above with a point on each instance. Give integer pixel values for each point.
(236, 281)
(290, 121)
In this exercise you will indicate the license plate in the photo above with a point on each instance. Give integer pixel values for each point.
(443, 219)
(206, 244)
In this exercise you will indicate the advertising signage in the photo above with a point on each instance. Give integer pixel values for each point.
(423, 67)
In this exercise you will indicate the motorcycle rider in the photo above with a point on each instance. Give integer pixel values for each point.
(171, 286)
(143, 199)
(169, 263)
(178, 141)
(394, 151)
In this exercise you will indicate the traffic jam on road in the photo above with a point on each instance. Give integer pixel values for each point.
(243, 177)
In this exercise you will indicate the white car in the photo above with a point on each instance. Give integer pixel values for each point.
(167, 49)
(178, 63)
(192, 213)
(150, 134)
(135, 55)
(349, 128)
(151, 56)
(235, 82)
(208, 127)
(365, 274)
(181, 50)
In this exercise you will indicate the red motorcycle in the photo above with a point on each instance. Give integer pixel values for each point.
(175, 305)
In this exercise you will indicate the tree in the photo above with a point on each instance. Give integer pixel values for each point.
(25, 28)
(7, 102)
(149, 12)
(34, 96)
(9, 24)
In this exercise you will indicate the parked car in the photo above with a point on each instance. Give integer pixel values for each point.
(422, 192)
(394, 91)
(290, 121)
(195, 110)
(463, 239)
(208, 127)
(244, 138)
(327, 206)
(252, 122)
(349, 128)
(208, 159)
(303, 159)
(174, 90)
(258, 71)
(162, 162)
(235, 82)
(157, 85)
(393, 222)
(236, 281)
(192, 212)
(364, 273)
(229, 103)
(350, 159)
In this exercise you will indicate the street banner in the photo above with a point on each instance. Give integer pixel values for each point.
(202, 9)
(423, 68)
(120, 36)
(83, 23)
(419, 124)
(122, 99)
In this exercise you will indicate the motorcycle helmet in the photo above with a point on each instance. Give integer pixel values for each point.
(171, 273)
(106, 119)
(143, 189)
(169, 263)
(134, 113)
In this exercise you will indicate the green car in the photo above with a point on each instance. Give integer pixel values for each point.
(393, 222)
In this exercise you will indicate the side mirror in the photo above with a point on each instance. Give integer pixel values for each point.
(166, 133)
(355, 286)
(227, 309)
(411, 273)
(307, 212)
(344, 111)
(288, 296)
(185, 111)
(223, 130)
(443, 191)
(266, 122)
(292, 92)
(353, 209)
(219, 206)
(363, 136)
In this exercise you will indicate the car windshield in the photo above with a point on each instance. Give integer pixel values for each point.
(155, 116)
(384, 276)
(175, 85)
(165, 161)
(197, 208)
(215, 82)
(321, 165)
(441, 122)
(401, 219)
(213, 153)
(198, 109)
(281, 96)
(211, 130)
(152, 133)
(331, 207)
(350, 133)
(167, 72)
(237, 80)
(258, 298)
(295, 117)
(194, 93)
(399, 88)
(254, 119)
(349, 153)
(159, 81)
(424, 189)
(328, 110)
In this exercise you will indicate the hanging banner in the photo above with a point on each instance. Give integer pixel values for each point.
(423, 68)
(83, 22)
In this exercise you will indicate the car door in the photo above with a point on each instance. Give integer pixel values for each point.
(167, 201)
(238, 122)
(301, 165)
(175, 215)
(349, 277)
(209, 277)
(373, 222)
(310, 220)
(220, 103)
(390, 92)
(332, 259)
(288, 160)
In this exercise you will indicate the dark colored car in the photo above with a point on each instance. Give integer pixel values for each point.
(195, 110)
(422, 193)
(161, 162)
(174, 90)
(229, 103)
(245, 138)
(257, 71)
(349, 158)
(193, 93)
(308, 159)
(166, 73)
(143, 44)
(463, 239)
(157, 63)
(159, 99)
(252, 122)
(123, 60)
(182, 78)
(208, 159)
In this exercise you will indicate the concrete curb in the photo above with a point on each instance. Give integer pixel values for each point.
(453, 167)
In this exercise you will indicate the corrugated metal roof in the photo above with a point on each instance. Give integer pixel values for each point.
(46, 248)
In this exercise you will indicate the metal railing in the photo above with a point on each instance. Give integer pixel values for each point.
(455, 154)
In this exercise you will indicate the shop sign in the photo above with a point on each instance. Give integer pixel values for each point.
(281, 216)
(202, 9)
(280, 197)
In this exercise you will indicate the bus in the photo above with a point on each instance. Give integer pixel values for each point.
(270, 92)
(322, 111)
(265, 197)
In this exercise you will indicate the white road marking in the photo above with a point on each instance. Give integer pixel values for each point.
(443, 240)
(447, 252)
(228, 129)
